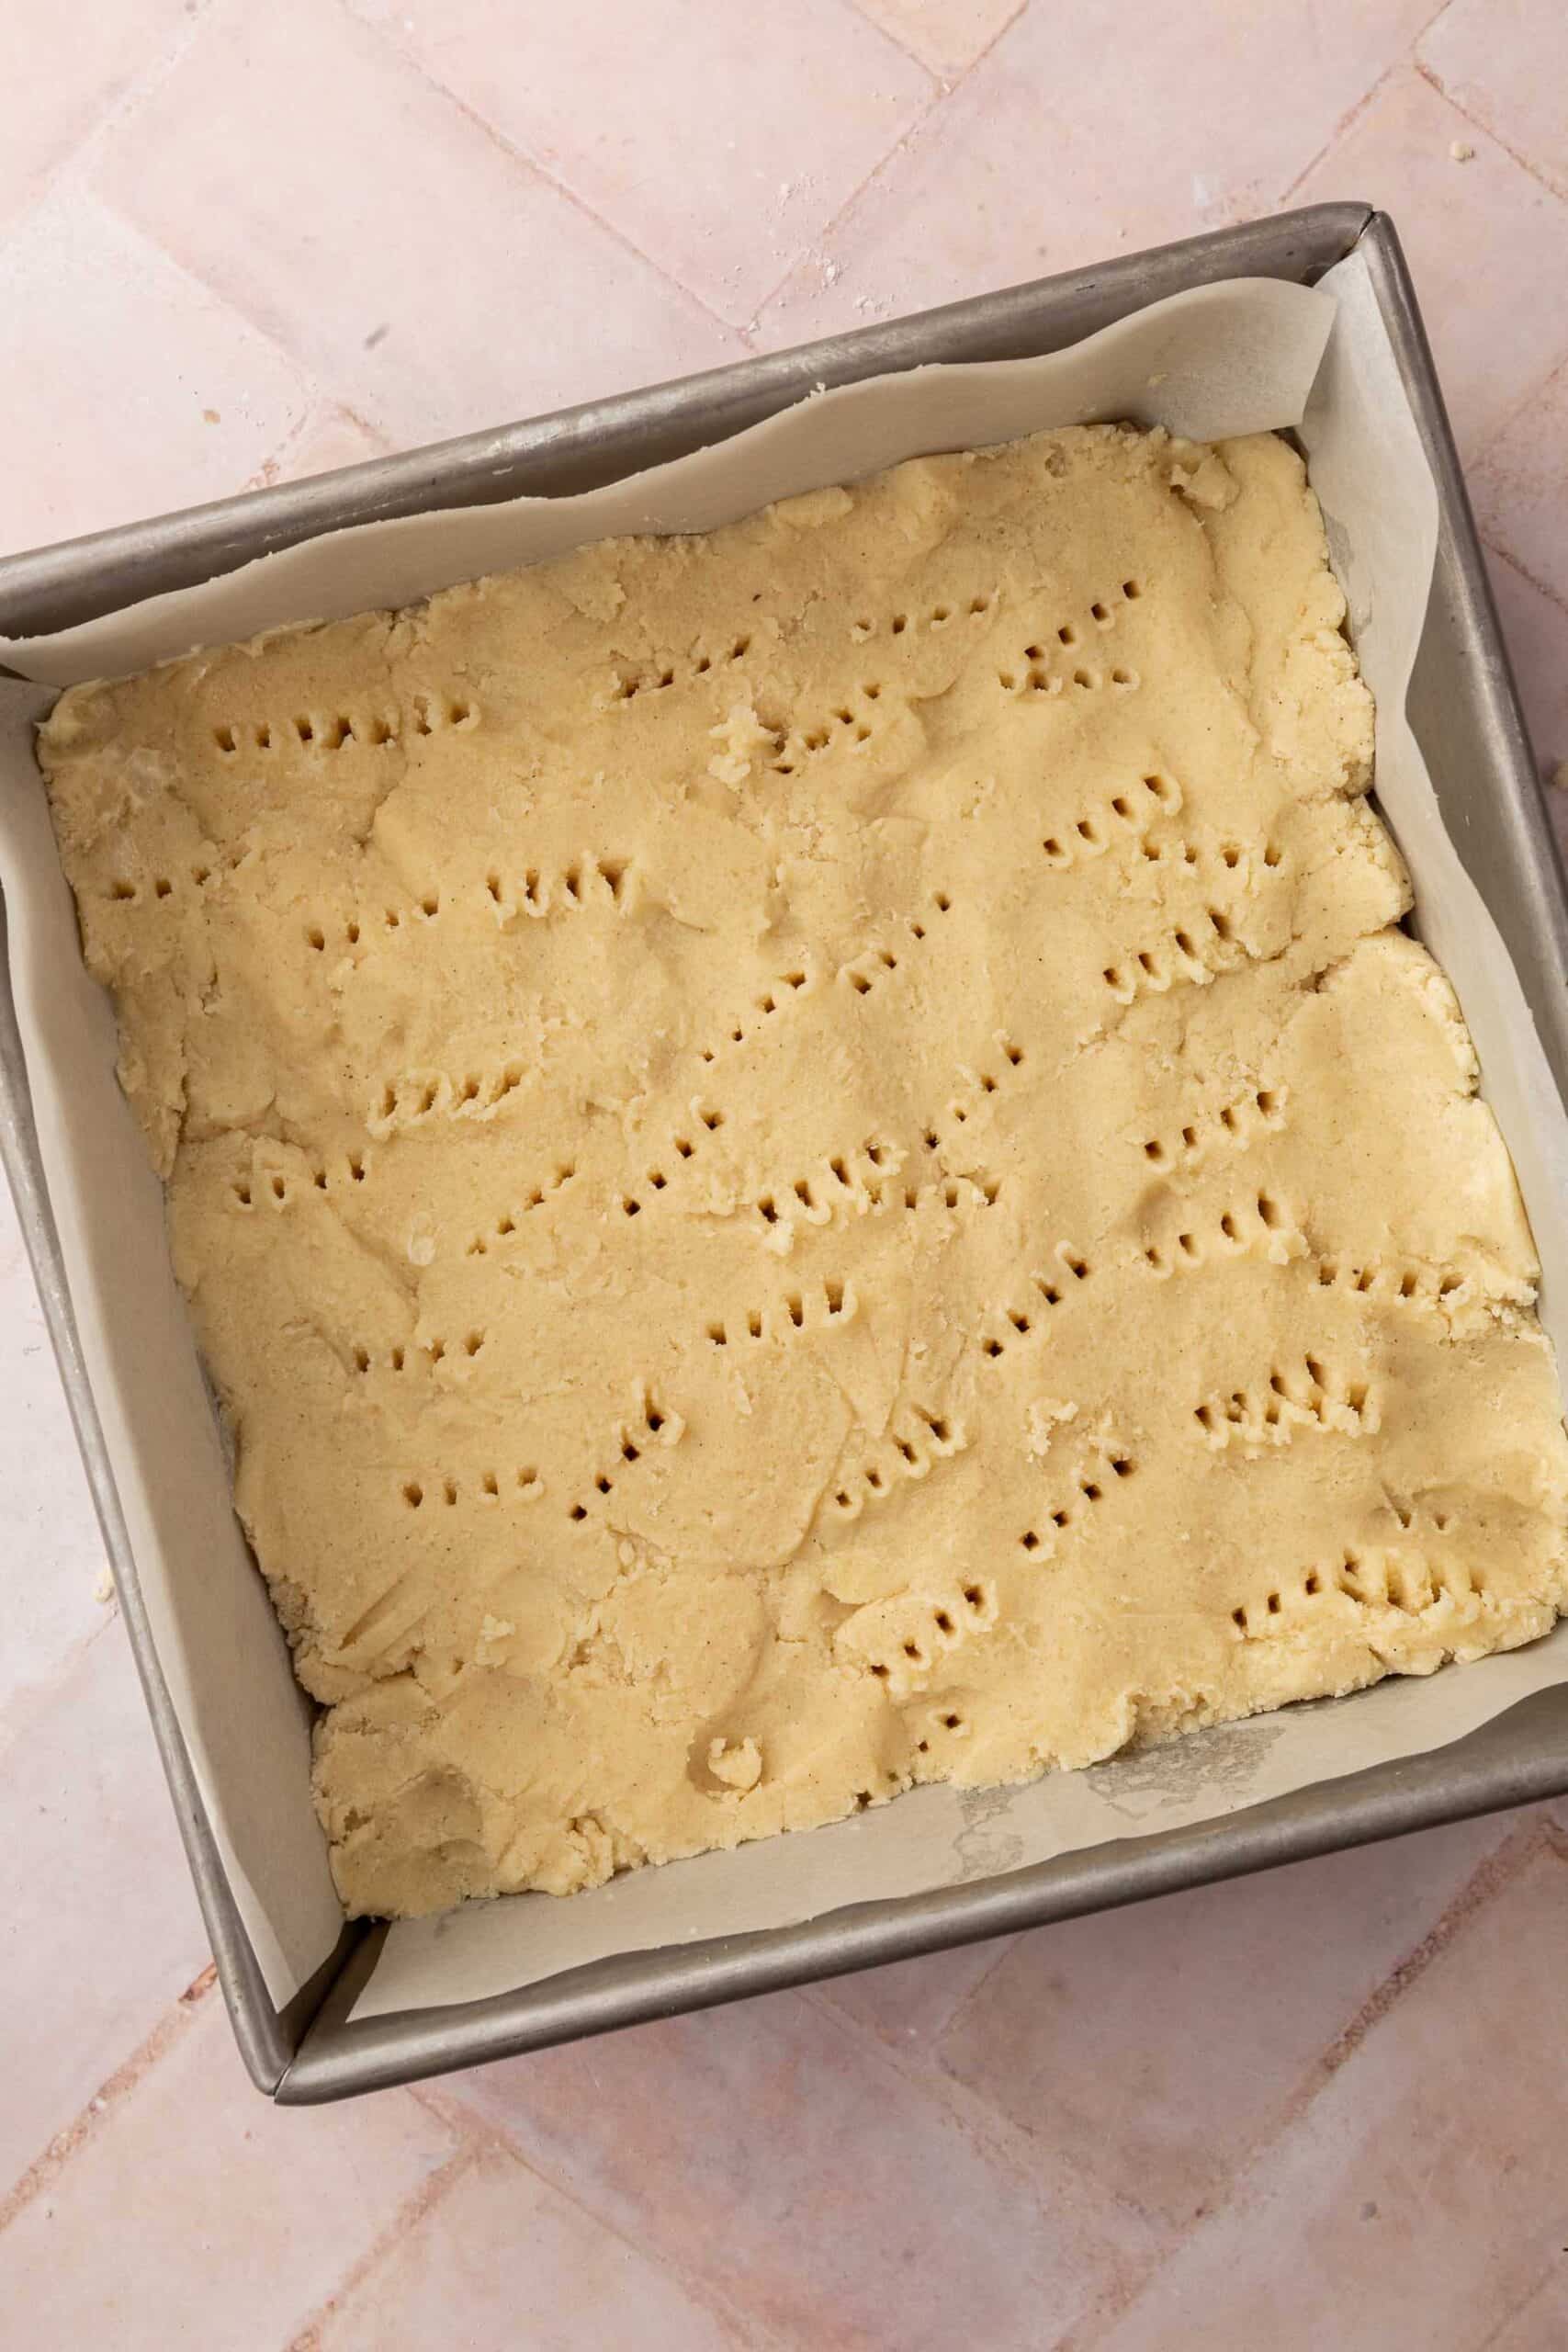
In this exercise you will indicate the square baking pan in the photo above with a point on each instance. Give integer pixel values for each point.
(1466, 713)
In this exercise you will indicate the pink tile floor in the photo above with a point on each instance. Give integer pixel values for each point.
(1327, 2108)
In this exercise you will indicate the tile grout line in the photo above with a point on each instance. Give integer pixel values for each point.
(1507, 1859)
(969, 2110)
(74, 169)
(485, 2137)
(521, 160)
(820, 1994)
(119, 109)
(1496, 2335)
(944, 91)
(1407, 58)
(1503, 556)
(68, 2142)
(996, 2136)
(949, 82)
(1494, 138)
(401, 2223)
(272, 467)
(1509, 418)
(32, 1702)
(983, 2124)
(1496, 1871)
(1352, 114)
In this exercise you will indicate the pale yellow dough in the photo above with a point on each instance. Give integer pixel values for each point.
(810, 1160)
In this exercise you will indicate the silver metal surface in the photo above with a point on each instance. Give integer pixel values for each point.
(1466, 714)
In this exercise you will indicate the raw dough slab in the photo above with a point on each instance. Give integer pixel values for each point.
(809, 1159)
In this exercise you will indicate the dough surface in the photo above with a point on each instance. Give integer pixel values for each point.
(810, 1160)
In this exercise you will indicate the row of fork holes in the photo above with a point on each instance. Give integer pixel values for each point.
(1240, 1406)
(685, 1148)
(951, 1720)
(937, 617)
(989, 1085)
(1151, 969)
(469, 1089)
(653, 1420)
(818, 738)
(1159, 788)
(1344, 1580)
(940, 614)
(978, 1601)
(398, 1359)
(1118, 1465)
(1041, 681)
(534, 884)
(1269, 1215)
(506, 1223)
(862, 981)
(336, 734)
(1264, 1102)
(766, 1005)
(447, 1490)
(281, 1190)
(795, 1307)
(1407, 1285)
(1018, 1317)
(655, 681)
(428, 908)
(941, 1431)
(1185, 852)
(951, 1192)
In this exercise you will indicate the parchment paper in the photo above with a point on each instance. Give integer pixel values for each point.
(1243, 357)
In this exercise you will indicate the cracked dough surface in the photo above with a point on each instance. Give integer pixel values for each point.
(810, 1160)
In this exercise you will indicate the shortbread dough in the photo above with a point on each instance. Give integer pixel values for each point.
(813, 1159)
